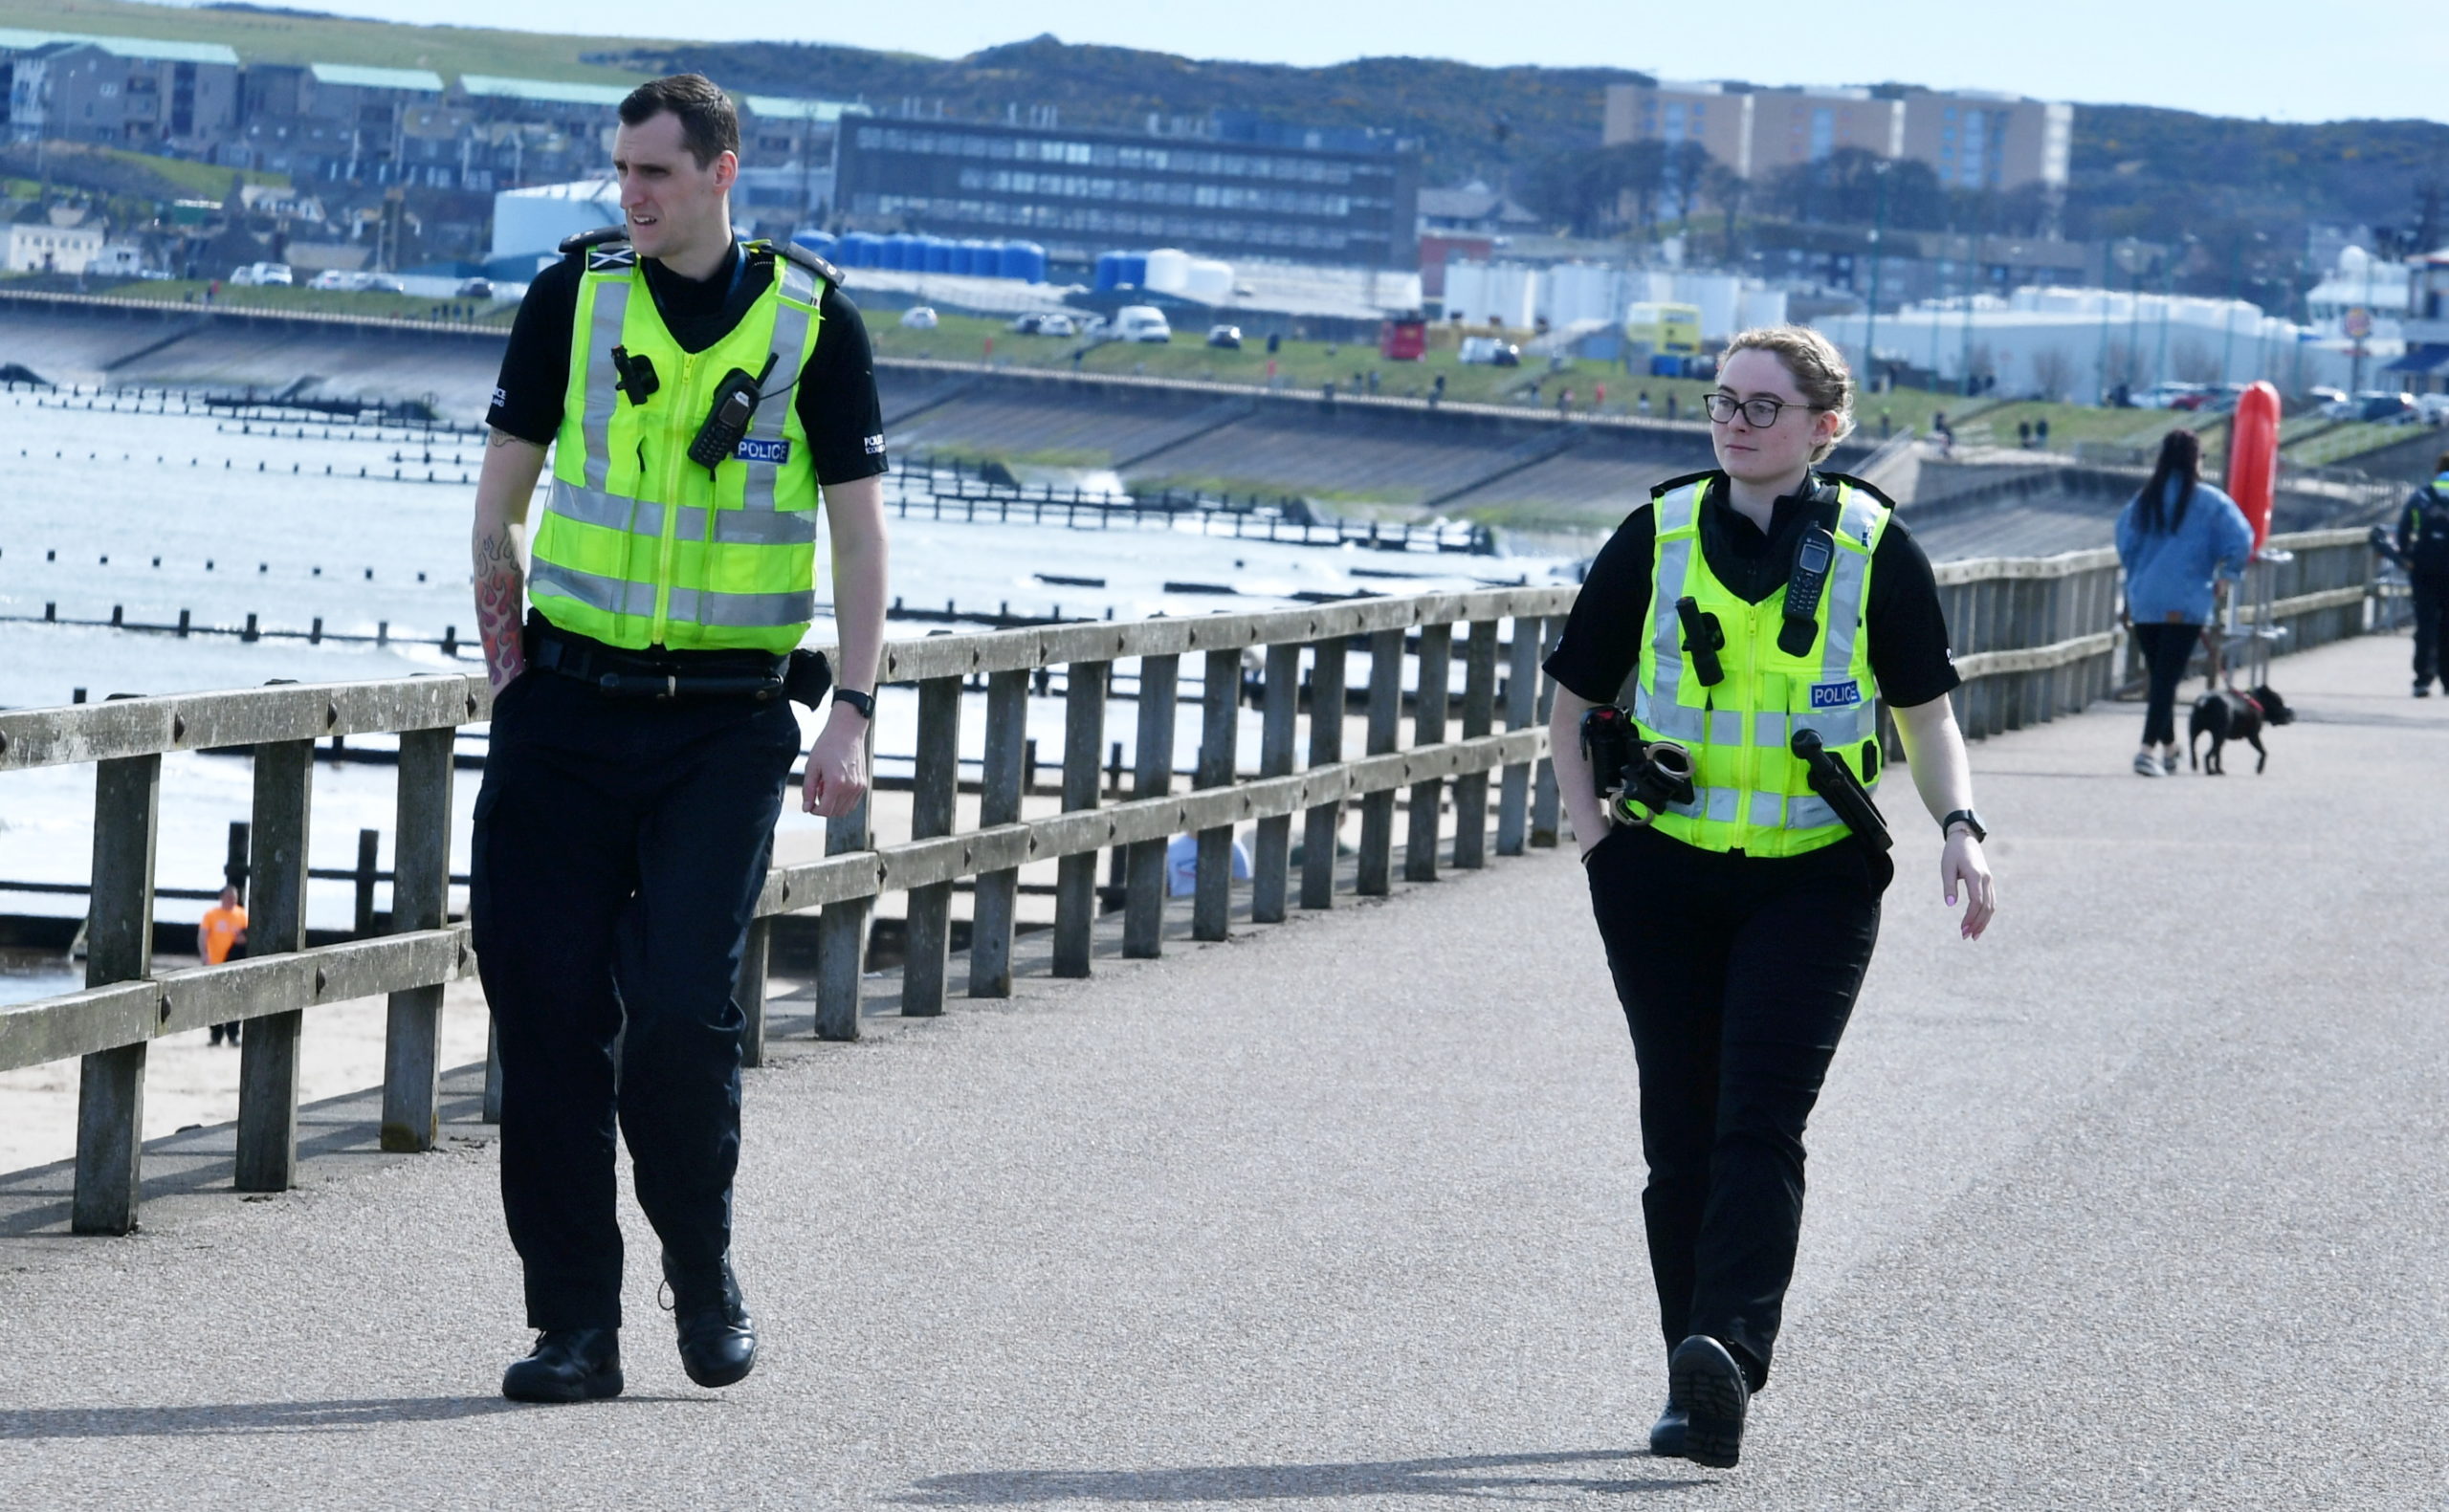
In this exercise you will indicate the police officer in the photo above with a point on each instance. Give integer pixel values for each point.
(1747, 604)
(2424, 545)
(701, 398)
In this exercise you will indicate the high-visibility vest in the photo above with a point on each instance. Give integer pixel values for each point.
(640, 546)
(1750, 792)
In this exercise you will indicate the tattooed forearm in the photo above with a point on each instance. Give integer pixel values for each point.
(500, 595)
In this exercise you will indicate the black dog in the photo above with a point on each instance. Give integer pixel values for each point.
(2229, 715)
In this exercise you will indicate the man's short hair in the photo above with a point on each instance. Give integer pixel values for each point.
(709, 125)
(2444, 462)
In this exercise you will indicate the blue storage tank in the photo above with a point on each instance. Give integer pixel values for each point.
(892, 252)
(939, 253)
(1022, 261)
(1109, 271)
(856, 250)
(965, 257)
(1135, 270)
(825, 243)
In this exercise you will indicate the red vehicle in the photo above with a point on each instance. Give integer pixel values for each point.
(1405, 339)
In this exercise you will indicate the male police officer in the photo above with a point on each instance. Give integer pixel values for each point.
(2424, 545)
(699, 393)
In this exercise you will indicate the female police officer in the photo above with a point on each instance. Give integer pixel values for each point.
(1749, 604)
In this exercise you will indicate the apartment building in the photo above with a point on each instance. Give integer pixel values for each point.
(120, 91)
(1970, 139)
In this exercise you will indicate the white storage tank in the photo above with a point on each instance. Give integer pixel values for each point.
(1168, 271)
(1209, 281)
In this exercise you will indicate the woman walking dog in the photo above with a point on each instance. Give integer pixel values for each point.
(2177, 540)
(1736, 859)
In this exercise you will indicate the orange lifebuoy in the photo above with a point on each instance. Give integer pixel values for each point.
(2252, 456)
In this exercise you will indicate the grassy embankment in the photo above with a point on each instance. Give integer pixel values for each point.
(301, 36)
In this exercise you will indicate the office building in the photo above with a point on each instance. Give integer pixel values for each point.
(1353, 200)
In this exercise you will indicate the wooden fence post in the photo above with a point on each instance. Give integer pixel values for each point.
(999, 802)
(276, 925)
(119, 947)
(1271, 846)
(1376, 872)
(1428, 728)
(420, 892)
(1521, 711)
(1211, 912)
(1479, 714)
(842, 928)
(1076, 886)
(933, 789)
(369, 866)
(1543, 794)
(1143, 908)
(1322, 823)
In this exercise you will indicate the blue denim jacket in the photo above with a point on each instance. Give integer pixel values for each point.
(2169, 574)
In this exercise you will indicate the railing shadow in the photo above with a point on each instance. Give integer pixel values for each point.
(240, 1418)
(1476, 1477)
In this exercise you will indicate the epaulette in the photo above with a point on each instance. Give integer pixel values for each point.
(1871, 488)
(597, 237)
(1661, 491)
(810, 261)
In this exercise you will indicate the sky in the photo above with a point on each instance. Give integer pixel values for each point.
(2283, 59)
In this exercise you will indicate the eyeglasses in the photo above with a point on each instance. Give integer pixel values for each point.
(1760, 412)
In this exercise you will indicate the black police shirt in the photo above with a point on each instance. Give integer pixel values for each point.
(1601, 645)
(836, 397)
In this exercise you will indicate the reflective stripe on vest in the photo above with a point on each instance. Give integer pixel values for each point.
(1752, 793)
(638, 545)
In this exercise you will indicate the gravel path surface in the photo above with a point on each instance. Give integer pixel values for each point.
(2135, 1204)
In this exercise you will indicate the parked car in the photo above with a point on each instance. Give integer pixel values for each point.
(1057, 323)
(261, 273)
(1141, 322)
(476, 289)
(1225, 335)
(330, 278)
(2433, 407)
(384, 283)
(2386, 408)
(2170, 395)
(1491, 350)
(920, 317)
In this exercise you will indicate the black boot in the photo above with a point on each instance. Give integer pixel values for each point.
(1671, 1434)
(1705, 1381)
(569, 1365)
(717, 1338)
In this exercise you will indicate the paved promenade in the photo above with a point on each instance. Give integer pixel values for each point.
(2137, 1203)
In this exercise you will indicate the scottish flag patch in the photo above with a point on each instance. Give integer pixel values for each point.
(752, 450)
(1835, 695)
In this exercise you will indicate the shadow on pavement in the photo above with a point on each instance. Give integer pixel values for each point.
(1474, 1475)
(240, 1418)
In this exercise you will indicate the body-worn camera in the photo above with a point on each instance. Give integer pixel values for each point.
(1637, 780)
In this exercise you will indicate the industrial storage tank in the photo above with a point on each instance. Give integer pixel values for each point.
(1026, 261)
(980, 259)
(939, 253)
(857, 249)
(1168, 271)
(894, 250)
(1209, 281)
(825, 243)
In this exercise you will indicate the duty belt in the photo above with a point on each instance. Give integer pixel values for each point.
(616, 673)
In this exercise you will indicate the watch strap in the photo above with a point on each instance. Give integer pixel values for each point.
(864, 703)
(1972, 822)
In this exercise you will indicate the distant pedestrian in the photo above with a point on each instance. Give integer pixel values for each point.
(1564, 399)
(1946, 433)
(2024, 435)
(2040, 432)
(1670, 404)
(2423, 543)
(1640, 405)
(221, 935)
(1887, 424)
(2177, 540)
(1437, 388)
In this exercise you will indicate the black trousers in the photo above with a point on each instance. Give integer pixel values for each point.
(1737, 975)
(618, 850)
(2431, 596)
(2167, 648)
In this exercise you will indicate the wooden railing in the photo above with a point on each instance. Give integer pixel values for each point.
(2035, 639)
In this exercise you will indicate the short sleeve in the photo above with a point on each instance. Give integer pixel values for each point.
(837, 401)
(536, 367)
(1910, 657)
(1602, 639)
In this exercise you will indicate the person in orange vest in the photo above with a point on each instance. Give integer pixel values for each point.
(222, 935)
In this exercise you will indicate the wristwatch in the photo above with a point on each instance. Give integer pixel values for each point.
(1972, 822)
(864, 703)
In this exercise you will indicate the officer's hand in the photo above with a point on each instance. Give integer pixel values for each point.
(1962, 865)
(837, 766)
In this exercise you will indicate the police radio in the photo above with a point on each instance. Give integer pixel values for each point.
(1813, 554)
(728, 418)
